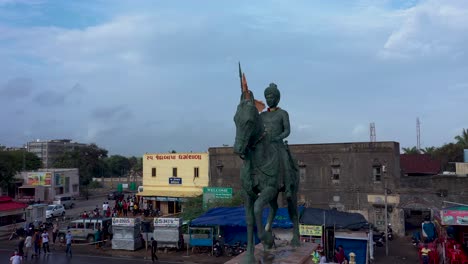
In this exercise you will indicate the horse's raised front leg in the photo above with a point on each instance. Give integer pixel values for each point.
(249, 215)
(267, 195)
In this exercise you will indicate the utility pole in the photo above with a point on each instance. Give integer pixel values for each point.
(386, 218)
(24, 158)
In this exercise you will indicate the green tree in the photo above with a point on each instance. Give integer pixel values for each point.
(429, 150)
(412, 150)
(448, 154)
(31, 161)
(462, 139)
(12, 162)
(7, 170)
(136, 164)
(88, 159)
(118, 165)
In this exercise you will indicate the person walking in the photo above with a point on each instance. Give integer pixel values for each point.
(54, 232)
(154, 249)
(97, 238)
(27, 245)
(68, 239)
(16, 258)
(21, 246)
(37, 243)
(125, 208)
(45, 241)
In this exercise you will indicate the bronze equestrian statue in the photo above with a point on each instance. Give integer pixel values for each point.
(268, 165)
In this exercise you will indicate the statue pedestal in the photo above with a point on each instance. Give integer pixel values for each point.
(283, 254)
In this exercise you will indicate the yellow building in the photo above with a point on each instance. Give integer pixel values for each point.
(169, 178)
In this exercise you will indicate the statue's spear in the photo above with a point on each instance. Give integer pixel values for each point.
(245, 88)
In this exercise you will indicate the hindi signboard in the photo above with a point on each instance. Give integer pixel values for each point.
(310, 230)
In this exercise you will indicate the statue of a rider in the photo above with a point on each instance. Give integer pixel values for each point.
(276, 121)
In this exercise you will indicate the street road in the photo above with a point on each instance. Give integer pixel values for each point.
(61, 258)
(88, 205)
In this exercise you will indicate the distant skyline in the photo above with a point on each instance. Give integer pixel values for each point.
(154, 76)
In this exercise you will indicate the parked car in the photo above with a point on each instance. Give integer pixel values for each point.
(84, 229)
(65, 200)
(115, 196)
(55, 210)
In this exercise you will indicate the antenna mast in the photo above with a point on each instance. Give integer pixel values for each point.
(373, 135)
(418, 135)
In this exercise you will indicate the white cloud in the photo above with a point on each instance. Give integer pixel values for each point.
(430, 29)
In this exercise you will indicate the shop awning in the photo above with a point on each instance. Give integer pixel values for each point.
(7, 204)
(170, 193)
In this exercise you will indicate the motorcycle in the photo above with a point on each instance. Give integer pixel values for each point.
(217, 250)
(235, 249)
(379, 240)
(390, 233)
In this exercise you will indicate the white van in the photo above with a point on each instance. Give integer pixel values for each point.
(65, 200)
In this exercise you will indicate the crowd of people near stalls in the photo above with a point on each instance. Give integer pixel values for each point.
(132, 205)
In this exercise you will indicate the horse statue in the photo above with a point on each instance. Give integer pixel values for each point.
(261, 175)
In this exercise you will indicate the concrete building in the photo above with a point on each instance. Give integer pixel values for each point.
(49, 150)
(424, 190)
(345, 176)
(169, 178)
(45, 184)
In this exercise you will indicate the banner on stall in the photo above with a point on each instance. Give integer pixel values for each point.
(454, 217)
(167, 222)
(120, 221)
(310, 230)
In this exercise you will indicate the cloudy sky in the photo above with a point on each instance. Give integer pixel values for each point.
(152, 76)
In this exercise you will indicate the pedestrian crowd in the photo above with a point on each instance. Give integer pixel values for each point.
(122, 207)
(34, 242)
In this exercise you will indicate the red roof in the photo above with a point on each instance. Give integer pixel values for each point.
(7, 204)
(419, 164)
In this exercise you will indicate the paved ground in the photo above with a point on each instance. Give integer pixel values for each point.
(400, 251)
(106, 253)
(61, 258)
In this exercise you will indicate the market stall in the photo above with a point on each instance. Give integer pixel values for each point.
(332, 228)
(230, 222)
(168, 232)
(454, 240)
(126, 233)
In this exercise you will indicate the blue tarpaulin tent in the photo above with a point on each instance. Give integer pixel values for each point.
(232, 221)
(333, 218)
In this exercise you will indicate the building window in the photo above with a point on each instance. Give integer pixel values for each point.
(75, 187)
(377, 173)
(335, 172)
(153, 172)
(302, 174)
(195, 172)
(174, 172)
